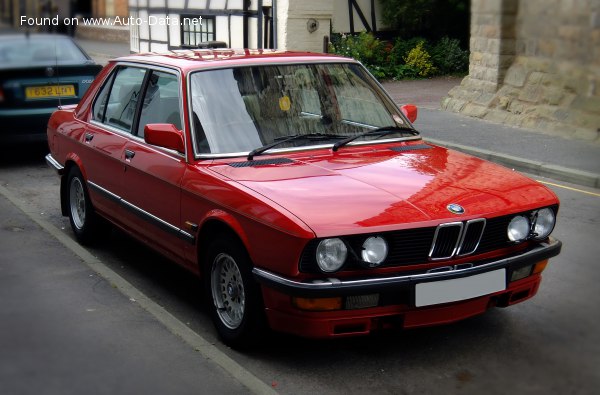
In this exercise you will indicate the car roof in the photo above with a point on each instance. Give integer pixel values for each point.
(195, 59)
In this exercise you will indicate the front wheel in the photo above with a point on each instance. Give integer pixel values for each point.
(235, 302)
(82, 217)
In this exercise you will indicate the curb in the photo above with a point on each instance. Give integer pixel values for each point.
(579, 177)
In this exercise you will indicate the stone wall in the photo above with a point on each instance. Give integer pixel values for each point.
(534, 64)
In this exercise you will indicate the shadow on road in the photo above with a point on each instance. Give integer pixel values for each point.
(23, 155)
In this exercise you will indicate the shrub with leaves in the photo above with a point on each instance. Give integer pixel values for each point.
(449, 58)
(365, 48)
(419, 59)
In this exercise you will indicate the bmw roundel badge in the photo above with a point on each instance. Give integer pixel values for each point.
(455, 208)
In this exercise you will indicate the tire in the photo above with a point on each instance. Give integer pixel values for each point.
(235, 302)
(83, 219)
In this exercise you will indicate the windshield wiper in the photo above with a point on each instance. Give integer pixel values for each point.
(382, 131)
(280, 140)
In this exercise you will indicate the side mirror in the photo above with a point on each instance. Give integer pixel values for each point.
(410, 111)
(164, 135)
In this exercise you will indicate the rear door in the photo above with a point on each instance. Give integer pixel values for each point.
(106, 135)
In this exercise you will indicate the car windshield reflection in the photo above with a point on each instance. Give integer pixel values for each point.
(261, 105)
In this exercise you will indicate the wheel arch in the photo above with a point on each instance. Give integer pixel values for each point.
(216, 223)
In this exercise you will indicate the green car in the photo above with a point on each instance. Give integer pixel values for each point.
(38, 73)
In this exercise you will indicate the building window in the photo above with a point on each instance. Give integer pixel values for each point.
(197, 29)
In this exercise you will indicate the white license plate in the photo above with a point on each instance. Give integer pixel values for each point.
(447, 291)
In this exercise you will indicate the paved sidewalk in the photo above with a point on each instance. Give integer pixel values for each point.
(66, 330)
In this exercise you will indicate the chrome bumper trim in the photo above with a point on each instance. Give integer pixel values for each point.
(60, 169)
(333, 286)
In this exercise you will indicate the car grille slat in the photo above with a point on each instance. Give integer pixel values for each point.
(472, 236)
(445, 241)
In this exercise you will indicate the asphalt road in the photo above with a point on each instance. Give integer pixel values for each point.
(550, 344)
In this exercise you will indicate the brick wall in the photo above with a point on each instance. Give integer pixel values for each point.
(535, 64)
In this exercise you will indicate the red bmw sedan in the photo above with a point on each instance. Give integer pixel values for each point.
(294, 186)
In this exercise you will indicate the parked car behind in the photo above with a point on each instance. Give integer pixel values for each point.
(39, 72)
(300, 193)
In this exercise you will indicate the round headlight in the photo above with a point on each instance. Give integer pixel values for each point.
(375, 250)
(331, 254)
(518, 228)
(544, 223)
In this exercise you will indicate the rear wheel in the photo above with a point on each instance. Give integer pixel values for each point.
(235, 302)
(82, 217)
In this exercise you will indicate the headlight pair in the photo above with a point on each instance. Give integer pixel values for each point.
(332, 253)
(538, 226)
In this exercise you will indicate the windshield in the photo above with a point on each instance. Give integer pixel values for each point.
(238, 110)
(31, 51)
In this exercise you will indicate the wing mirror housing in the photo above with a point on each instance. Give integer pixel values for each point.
(165, 135)
(410, 111)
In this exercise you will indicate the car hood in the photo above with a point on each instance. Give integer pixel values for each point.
(365, 190)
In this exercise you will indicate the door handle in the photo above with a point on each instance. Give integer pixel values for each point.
(89, 137)
(129, 154)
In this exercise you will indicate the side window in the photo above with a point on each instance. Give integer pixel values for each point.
(161, 101)
(124, 95)
(99, 109)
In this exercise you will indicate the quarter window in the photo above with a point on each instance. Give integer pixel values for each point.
(124, 95)
(196, 29)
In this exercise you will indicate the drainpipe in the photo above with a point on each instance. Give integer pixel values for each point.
(259, 33)
(245, 13)
(274, 21)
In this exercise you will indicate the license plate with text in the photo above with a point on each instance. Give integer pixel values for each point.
(40, 92)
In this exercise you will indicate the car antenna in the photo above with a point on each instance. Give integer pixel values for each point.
(57, 74)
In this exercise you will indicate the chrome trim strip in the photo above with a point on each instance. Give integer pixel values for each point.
(160, 223)
(331, 286)
(53, 163)
(456, 245)
(106, 192)
(464, 235)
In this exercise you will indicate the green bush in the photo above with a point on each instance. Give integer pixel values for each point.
(419, 59)
(406, 58)
(449, 58)
(365, 48)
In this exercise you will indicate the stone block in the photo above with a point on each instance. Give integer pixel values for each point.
(535, 77)
(516, 76)
(589, 104)
(570, 33)
(516, 107)
(546, 47)
(553, 95)
(496, 115)
(474, 110)
(484, 98)
(504, 102)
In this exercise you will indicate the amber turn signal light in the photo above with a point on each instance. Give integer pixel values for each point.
(540, 266)
(318, 304)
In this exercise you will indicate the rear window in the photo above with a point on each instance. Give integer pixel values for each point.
(37, 51)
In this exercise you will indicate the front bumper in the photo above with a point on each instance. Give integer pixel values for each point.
(336, 287)
(397, 296)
